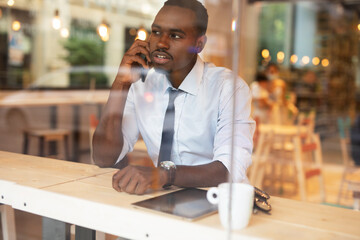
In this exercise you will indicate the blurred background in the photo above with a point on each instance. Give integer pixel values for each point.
(58, 59)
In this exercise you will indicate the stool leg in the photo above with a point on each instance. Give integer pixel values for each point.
(66, 147)
(41, 146)
(26, 143)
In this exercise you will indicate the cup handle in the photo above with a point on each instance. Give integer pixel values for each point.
(213, 195)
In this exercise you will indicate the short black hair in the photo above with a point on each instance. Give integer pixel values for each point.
(261, 77)
(199, 9)
(272, 65)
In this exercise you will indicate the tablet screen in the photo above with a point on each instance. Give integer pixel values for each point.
(188, 203)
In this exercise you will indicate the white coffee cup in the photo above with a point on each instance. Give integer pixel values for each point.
(241, 204)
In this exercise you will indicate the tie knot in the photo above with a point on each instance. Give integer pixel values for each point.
(172, 95)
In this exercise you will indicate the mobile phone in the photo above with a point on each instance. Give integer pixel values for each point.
(142, 70)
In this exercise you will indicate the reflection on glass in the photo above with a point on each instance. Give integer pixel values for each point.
(313, 43)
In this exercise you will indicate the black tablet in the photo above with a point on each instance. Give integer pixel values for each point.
(188, 203)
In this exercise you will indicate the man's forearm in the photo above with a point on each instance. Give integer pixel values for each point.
(206, 175)
(108, 138)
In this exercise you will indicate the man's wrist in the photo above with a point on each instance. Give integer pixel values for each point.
(121, 84)
(169, 168)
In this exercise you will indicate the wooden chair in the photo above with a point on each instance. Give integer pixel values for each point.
(351, 173)
(273, 159)
(308, 163)
(260, 159)
(61, 136)
(7, 222)
(307, 120)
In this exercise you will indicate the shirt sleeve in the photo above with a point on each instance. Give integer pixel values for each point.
(235, 123)
(129, 125)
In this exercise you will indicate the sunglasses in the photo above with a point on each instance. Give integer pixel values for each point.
(260, 201)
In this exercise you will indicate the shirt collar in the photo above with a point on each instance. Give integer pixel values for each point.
(192, 81)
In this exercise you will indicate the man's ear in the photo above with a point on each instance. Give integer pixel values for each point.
(200, 43)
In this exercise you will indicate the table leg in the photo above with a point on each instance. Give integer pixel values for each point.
(82, 233)
(8, 222)
(55, 230)
(53, 125)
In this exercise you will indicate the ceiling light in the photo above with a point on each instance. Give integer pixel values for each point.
(141, 34)
(56, 21)
(10, 3)
(103, 31)
(16, 25)
(64, 32)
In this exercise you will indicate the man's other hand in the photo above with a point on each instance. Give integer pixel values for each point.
(138, 179)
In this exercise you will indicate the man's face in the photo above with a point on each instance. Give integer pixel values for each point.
(174, 40)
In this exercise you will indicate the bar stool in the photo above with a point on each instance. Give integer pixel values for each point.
(45, 136)
(312, 152)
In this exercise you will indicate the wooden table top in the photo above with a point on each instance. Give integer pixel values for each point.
(294, 219)
(89, 200)
(41, 172)
(53, 97)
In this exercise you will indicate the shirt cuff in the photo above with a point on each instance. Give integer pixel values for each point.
(238, 167)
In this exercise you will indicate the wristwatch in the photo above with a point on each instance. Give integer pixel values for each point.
(170, 168)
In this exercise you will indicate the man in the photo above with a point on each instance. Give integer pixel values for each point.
(277, 94)
(260, 98)
(203, 126)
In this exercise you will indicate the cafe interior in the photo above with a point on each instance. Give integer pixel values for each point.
(59, 58)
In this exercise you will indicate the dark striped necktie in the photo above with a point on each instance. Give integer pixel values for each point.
(168, 129)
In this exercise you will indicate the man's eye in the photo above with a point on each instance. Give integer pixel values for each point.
(156, 32)
(176, 36)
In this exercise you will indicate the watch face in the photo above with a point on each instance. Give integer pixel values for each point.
(167, 165)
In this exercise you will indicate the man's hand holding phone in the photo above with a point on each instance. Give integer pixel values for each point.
(135, 62)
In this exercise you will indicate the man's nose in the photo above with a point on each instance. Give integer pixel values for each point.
(163, 42)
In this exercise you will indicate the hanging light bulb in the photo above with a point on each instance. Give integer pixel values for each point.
(293, 59)
(325, 62)
(16, 25)
(56, 21)
(103, 31)
(265, 53)
(64, 32)
(316, 61)
(305, 60)
(141, 34)
(280, 56)
(10, 3)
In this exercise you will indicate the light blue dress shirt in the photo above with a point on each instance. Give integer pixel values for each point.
(203, 129)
